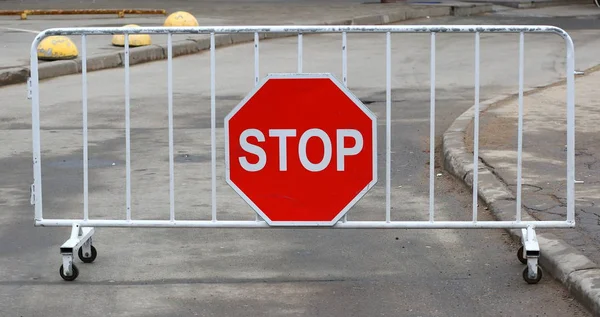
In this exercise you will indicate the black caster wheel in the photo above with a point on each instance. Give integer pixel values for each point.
(90, 257)
(69, 278)
(535, 280)
(520, 256)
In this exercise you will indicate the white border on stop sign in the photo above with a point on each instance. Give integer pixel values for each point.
(350, 95)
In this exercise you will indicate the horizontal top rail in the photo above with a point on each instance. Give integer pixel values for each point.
(315, 29)
(311, 29)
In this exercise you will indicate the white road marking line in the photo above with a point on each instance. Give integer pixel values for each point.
(21, 30)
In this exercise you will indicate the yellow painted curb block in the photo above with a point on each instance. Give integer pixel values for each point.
(134, 39)
(181, 18)
(57, 48)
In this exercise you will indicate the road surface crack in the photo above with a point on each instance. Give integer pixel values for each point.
(492, 170)
(590, 212)
(546, 211)
(590, 165)
(561, 201)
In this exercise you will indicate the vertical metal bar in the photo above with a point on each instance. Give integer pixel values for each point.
(84, 110)
(432, 130)
(299, 52)
(213, 137)
(256, 76)
(388, 126)
(520, 123)
(127, 131)
(35, 131)
(256, 58)
(345, 58)
(170, 105)
(345, 77)
(570, 129)
(476, 129)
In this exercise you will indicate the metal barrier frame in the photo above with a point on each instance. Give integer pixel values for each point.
(531, 247)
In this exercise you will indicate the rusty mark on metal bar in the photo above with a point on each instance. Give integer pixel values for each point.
(120, 12)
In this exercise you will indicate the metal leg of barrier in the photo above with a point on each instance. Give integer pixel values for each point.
(529, 254)
(81, 242)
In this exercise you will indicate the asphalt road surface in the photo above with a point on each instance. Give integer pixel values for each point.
(301, 272)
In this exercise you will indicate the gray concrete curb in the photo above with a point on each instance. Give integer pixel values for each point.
(579, 274)
(151, 53)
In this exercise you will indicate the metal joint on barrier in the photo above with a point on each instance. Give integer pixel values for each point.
(29, 91)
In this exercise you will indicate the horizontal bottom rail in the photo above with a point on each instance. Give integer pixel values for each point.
(339, 225)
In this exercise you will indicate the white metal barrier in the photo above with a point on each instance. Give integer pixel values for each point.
(83, 227)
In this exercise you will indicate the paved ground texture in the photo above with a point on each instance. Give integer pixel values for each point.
(544, 169)
(168, 272)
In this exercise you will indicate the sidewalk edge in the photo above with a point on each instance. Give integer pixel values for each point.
(579, 274)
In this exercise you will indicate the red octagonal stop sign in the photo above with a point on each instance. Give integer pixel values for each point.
(301, 149)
